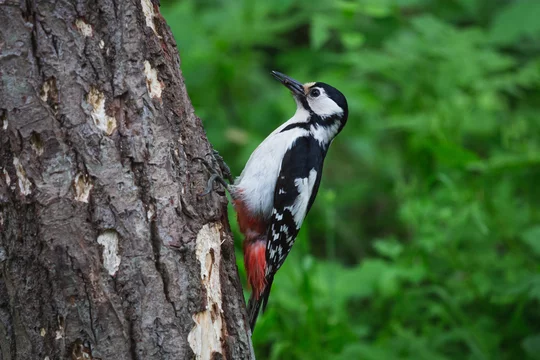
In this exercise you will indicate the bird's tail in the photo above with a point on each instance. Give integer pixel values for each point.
(255, 303)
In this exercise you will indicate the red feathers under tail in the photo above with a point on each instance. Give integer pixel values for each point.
(254, 229)
(255, 263)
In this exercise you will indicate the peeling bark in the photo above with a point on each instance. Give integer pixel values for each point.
(106, 251)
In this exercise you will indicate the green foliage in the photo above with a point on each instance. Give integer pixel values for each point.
(424, 241)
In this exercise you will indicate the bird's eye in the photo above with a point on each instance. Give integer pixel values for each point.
(314, 93)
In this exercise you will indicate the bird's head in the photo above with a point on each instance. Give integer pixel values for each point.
(320, 99)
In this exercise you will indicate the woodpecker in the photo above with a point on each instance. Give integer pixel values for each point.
(279, 183)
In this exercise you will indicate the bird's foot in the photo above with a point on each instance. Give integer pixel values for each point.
(215, 176)
(225, 170)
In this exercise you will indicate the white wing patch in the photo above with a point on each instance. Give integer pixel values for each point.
(279, 217)
(305, 189)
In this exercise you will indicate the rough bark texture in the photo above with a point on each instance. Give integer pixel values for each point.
(106, 251)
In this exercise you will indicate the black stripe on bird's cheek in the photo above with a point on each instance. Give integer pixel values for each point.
(304, 102)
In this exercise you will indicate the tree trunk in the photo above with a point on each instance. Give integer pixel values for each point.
(106, 251)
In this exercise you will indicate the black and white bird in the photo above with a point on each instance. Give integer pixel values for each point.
(280, 181)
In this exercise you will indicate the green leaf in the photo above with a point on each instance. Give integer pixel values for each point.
(320, 31)
(390, 248)
(366, 352)
(531, 345)
(531, 237)
(520, 18)
(352, 40)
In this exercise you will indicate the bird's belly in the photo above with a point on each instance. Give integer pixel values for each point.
(256, 187)
(257, 183)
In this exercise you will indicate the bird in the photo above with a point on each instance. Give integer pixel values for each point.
(279, 183)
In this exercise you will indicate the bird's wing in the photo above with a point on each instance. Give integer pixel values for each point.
(296, 188)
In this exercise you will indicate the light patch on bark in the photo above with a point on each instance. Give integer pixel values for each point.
(44, 93)
(59, 334)
(151, 212)
(36, 143)
(37, 148)
(111, 260)
(6, 175)
(84, 28)
(101, 44)
(205, 337)
(149, 14)
(4, 124)
(82, 186)
(102, 121)
(153, 84)
(42, 332)
(24, 184)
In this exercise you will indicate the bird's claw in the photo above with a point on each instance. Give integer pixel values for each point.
(210, 185)
(225, 170)
(215, 176)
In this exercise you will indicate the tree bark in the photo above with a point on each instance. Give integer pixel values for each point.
(106, 251)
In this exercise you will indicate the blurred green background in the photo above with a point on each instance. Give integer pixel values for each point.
(424, 241)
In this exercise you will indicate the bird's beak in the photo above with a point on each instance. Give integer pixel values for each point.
(296, 87)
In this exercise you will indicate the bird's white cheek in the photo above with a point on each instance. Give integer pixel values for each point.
(324, 107)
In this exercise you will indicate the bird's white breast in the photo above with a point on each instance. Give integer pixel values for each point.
(256, 185)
